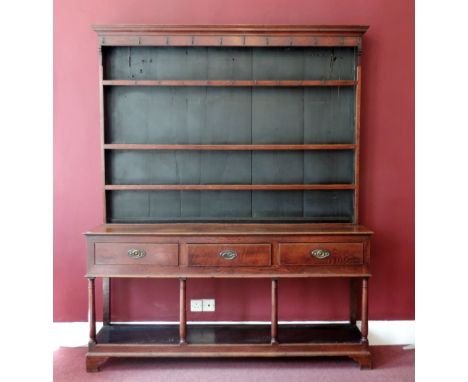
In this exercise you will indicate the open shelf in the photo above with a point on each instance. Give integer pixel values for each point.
(265, 187)
(345, 219)
(228, 334)
(227, 83)
(227, 147)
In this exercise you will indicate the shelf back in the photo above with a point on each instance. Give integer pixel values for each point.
(236, 95)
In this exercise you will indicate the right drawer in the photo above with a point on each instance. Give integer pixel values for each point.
(321, 253)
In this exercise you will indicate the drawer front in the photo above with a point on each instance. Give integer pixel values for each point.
(136, 253)
(321, 253)
(229, 255)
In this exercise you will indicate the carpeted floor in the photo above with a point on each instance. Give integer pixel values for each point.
(391, 364)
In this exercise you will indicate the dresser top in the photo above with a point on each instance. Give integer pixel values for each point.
(229, 229)
(231, 28)
(230, 35)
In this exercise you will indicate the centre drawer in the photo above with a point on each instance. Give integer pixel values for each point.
(321, 253)
(229, 255)
(136, 253)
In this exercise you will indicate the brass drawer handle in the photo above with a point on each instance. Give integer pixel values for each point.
(320, 253)
(136, 253)
(228, 254)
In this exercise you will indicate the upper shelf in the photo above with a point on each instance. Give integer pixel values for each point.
(232, 187)
(227, 147)
(230, 35)
(234, 83)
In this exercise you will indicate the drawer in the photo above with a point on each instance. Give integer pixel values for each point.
(136, 253)
(229, 255)
(321, 253)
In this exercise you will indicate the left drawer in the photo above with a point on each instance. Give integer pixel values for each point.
(136, 253)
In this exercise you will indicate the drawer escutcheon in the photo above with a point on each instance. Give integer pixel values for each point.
(320, 253)
(228, 254)
(136, 253)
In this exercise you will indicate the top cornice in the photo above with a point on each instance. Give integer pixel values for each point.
(345, 30)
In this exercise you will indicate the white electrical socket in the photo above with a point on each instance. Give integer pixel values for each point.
(208, 305)
(196, 305)
(205, 305)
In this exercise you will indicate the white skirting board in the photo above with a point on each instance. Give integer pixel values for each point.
(73, 334)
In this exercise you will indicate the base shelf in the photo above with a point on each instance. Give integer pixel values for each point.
(214, 341)
(228, 334)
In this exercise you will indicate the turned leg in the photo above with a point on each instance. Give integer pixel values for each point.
(364, 359)
(274, 311)
(106, 300)
(91, 310)
(364, 310)
(183, 313)
(93, 363)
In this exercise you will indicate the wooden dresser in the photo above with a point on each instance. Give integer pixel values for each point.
(230, 152)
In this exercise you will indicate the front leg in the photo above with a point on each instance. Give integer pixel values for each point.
(93, 363)
(364, 361)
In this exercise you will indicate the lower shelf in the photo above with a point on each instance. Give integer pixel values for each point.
(129, 340)
(227, 334)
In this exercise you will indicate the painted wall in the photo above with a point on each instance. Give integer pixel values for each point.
(387, 159)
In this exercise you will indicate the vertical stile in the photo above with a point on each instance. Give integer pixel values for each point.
(357, 116)
(101, 128)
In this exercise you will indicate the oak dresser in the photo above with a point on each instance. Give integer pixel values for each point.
(230, 152)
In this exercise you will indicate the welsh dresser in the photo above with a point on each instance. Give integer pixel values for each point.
(230, 152)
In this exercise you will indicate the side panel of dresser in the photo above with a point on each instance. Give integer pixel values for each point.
(228, 256)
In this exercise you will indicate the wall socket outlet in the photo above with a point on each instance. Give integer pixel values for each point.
(208, 305)
(205, 305)
(196, 305)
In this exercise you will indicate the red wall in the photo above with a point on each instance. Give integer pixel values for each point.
(387, 204)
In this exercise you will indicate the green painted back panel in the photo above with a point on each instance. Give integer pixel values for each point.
(204, 115)
(234, 206)
(229, 115)
(227, 63)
